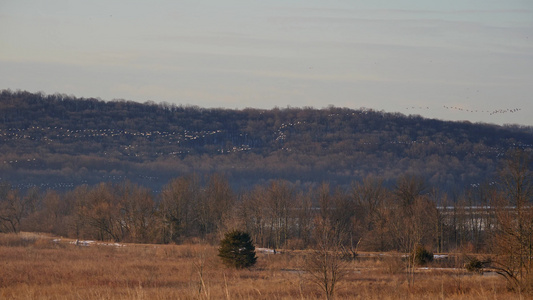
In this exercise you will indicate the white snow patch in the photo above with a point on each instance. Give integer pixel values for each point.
(267, 251)
(112, 244)
(83, 243)
(89, 243)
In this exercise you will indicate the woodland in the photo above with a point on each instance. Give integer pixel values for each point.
(60, 141)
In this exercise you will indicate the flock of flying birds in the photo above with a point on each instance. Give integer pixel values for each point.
(491, 112)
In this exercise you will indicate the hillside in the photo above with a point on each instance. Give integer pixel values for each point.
(59, 141)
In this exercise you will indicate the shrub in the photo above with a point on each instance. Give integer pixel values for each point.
(237, 250)
(422, 256)
(474, 265)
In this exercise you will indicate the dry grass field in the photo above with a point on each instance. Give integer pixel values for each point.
(41, 267)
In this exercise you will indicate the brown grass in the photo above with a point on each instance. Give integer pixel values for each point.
(35, 267)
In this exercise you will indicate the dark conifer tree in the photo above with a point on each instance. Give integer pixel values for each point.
(237, 250)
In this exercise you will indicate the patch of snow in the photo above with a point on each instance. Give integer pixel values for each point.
(83, 243)
(267, 251)
(89, 243)
(112, 244)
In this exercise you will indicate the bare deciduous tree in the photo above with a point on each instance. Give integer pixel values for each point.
(136, 213)
(370, 196)
(412, 223)
(325, 265)
(215, 205)
(178, 208)
(514, 216)
(14, 207)
(252, 213)
(102, 212)
(279, 203)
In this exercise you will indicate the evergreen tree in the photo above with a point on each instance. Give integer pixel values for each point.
(237, 250)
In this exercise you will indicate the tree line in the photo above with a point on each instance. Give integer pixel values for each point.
(368, 215)
(60, 141)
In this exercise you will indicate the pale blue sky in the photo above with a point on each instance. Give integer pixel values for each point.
(387, 55)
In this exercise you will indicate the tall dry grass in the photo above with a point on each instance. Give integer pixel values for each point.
(35, 267)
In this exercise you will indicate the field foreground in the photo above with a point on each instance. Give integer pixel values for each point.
(42, 267)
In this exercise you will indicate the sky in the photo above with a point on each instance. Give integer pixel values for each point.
(451, 60)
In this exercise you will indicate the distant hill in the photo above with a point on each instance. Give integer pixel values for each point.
(58, 141)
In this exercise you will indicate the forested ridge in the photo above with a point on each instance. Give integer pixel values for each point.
(59, 141)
